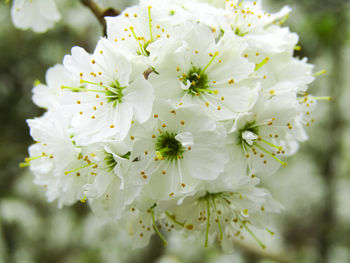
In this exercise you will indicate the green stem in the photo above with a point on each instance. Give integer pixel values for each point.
(157, 230)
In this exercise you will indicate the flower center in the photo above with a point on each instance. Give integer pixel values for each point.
(115, 93)
(168, 147)
(249, 138)
(245, 134)
(198, 80)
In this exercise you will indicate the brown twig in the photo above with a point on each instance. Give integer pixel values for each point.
(100, 14)
(260, 254)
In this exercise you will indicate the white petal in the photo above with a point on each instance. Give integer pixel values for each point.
(140, 96)
(186, 138)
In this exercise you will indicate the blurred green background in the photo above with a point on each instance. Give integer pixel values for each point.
(314, 187)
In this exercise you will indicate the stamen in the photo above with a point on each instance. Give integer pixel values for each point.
(217, 218)
(271, 232)
(28, 159)
(270, 154)
(93, 83)
(79, 168)
(262, 63)
(322, 98)
(208, 224)
(321, 72)
(136, 38)
(297, 48)
(81, 89)
(270, 144)
(150, 23)
(252, 234)
(156, 228)
(211, 61)
(172, 218)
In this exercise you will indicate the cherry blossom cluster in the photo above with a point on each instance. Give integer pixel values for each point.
(175, 119)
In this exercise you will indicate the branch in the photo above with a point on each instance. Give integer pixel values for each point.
(260, 253)
(100, 14)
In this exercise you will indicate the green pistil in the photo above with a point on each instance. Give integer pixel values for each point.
(168, 147)
(250, 126)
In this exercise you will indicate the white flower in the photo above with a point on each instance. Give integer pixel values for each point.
(139, 26)
(38, 15)
(112, 190)
(266, 134)
(49, 96)
(228, 213)
(109, 96)
(197, 70)
(176, 150)
(248, 16)
(54, 160)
